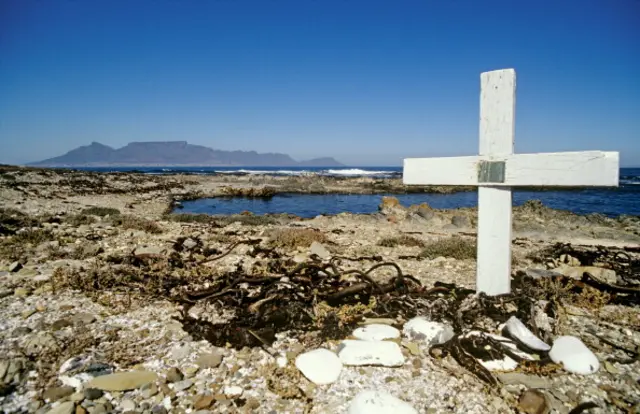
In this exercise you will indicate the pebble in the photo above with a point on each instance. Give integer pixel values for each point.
(605, 275)
(14, 267)
(56, 393)
(190, 372)
(68, 407)
(233, 391)
(429, 332)
(127, 405)
(182, 385)
(174, 375)
(533, 402)
(149, 390)
(122, 381)
(319, 250)
(76, 397)
(319, 366)
(357, 352)
(379, 402)
(529, 381)
(21, 292)
(210, 360)
(180, 353)
(376, 332)
(92, 393)
(203, 401)
(574, 356)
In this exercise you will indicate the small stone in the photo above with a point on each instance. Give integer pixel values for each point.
(413, 348)
(40, 307)
(529, 381)
(61, 324)
(541, 273)
(319, 250)
(460, 221)
(233, 391)
(203, 401)
(181, 352)
(83, 318)
(190, 372)
(189, 244)
(611, 369)
(28, 313)
(600, 273)
(68, 407)
(123, 381)
(159, 409)
(98, 409)
(379, 402)
(127, 405)
(182, 385)
(80, 410)
(384, 353)
(423, 330)
(56, 393)
(319, 366)
(149, 390)
(533, 402)
(92, 393)
(376, 332)
(77, 397)
(21, 331)
(15, 267)
(575, 357)
(21, 292)
(174, 375)
(210, 360)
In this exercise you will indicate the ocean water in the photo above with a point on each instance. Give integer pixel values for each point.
(612, 202)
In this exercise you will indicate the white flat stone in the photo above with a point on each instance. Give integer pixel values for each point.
(319, 366)
(573, 354)
(379, 402)
(376, 332)
(357, 352)
(519, 331)
(423, 330)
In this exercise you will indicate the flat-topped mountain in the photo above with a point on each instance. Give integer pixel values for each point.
(174, 153)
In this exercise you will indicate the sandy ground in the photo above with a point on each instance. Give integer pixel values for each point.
(97, 289)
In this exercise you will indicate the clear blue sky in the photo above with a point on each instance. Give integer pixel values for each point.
(368, 82)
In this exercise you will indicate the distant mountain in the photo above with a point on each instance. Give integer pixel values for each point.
(174, 153)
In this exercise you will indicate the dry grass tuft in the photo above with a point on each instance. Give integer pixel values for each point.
(137, 223)
(101, 211)
(19, 245)
(455, 247)
(191, 218)
(80, 219)
(403, 240)
(12, 220)
(292, 238)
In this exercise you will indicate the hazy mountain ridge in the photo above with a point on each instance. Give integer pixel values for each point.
(174, 153)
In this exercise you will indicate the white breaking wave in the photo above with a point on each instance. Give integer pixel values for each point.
(357, 171)
(264, 172)
(341, 172)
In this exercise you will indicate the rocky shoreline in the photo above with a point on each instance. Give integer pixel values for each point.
(111, 302)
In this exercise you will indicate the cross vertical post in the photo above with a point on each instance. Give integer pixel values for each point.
(497, 120)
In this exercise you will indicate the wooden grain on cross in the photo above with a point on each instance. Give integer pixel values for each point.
(497, 169)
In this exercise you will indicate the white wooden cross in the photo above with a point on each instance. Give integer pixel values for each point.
(497, 169)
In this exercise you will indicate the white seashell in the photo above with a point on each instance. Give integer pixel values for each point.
(519, 331)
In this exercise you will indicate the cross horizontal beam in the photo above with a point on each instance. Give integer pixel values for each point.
(574, 169)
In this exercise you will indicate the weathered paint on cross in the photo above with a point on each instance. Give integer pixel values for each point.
(497, 169)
